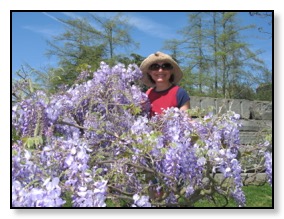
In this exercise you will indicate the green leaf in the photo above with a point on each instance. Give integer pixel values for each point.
(32, 142)
(99, 170)
(164, 150)
(31, 86)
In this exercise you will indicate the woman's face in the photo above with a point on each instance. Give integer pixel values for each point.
(160, 72)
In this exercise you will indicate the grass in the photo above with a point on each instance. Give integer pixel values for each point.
(256, 197)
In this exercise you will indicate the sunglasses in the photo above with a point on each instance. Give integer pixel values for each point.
(156, 67)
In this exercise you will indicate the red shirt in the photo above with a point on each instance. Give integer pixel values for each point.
(161, 100)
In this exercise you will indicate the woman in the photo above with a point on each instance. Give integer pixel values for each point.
(162, 74)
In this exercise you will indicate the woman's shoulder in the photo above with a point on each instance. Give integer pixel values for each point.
(181, 91)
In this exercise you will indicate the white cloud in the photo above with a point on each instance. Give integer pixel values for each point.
(52, 17)
(48, 32)
(43, 31)
(151, 27)
(72, 15)
(143, 24)
(140, 22)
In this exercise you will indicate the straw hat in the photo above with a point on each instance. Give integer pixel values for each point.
(155, 58)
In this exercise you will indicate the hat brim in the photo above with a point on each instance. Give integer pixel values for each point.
(155, 58)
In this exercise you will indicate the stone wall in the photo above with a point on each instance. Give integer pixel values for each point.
(256, 120)
(256, 116)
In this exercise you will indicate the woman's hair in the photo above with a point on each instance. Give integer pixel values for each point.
(172, 78)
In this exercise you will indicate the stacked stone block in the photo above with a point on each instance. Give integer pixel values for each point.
(256, 122)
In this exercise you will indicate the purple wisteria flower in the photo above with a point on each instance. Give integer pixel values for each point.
(95, 144)
(141, 201)
(268, 165)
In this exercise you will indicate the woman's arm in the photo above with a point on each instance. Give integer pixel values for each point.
(185, 106)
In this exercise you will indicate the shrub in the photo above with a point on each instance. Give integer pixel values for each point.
(96, 145)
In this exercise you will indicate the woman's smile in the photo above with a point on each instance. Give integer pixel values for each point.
(161, 75)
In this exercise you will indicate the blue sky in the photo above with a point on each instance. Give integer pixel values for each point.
(31, 30)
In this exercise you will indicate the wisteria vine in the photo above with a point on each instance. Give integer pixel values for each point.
(96, 145)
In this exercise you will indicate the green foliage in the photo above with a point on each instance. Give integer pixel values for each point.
(135, 110)
(15, 136)
(241, 91)
(264, 92)
(84, 45)
(67, 196)
(24, 86)
(32, 142)
(70, 67)
(119, 203)
(216, 60)
(259, 196)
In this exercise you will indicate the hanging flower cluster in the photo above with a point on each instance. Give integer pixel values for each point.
(96, 145)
